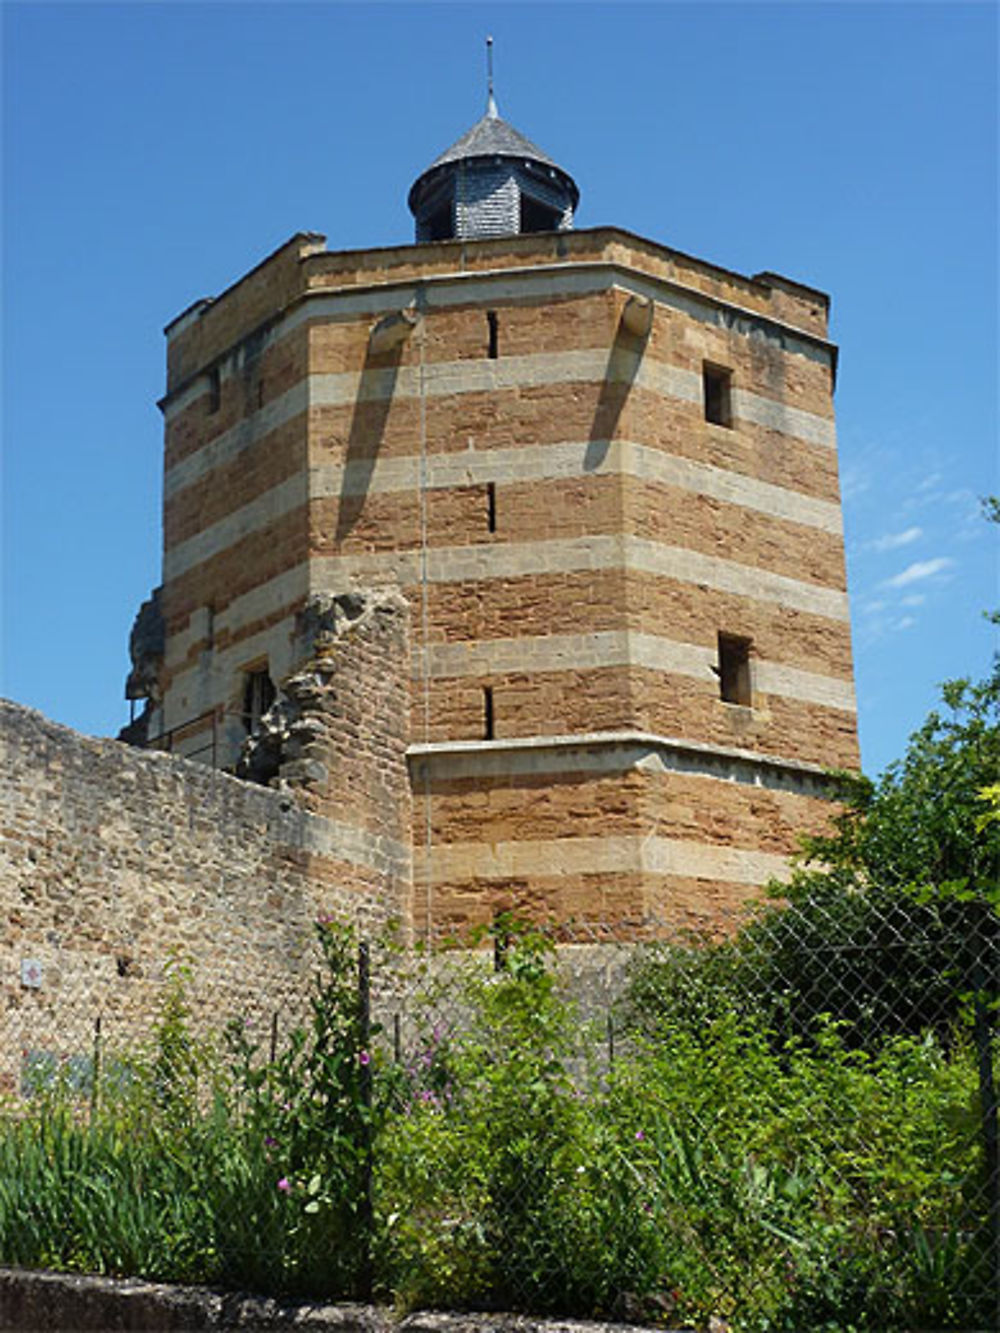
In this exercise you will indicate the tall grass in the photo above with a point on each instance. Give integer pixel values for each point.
(714, 1171)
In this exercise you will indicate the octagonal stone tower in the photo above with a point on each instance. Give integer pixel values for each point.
(603, 474)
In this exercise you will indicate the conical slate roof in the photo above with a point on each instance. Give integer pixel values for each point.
(491, 137)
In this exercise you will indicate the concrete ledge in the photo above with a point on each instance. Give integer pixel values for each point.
(32, 1301)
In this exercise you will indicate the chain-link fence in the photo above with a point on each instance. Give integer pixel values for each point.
(793, 1127)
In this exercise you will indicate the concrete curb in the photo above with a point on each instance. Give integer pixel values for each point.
(34, 1301)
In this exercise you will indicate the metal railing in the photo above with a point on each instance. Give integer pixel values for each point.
(168, 739)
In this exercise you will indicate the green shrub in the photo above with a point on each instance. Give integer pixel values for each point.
(717, 1169)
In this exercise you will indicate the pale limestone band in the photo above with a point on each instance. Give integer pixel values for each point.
(604, 752)
(623, 648)
(617, 855)
(219, 675)
(565, 460)
(538, 284)
(491, 560)
(448, 379)
(483, 561)
(440, 379)
(572, 460)
(216, 676)
(475, 467)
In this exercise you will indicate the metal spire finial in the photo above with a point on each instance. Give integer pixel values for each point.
(491, 106)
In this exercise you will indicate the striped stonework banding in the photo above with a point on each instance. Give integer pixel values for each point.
(508, 559)
(532, 653)
(482, 562)
(545, 462)
(291, 494)
(623, 648)
(519, 373)
(233, 442)
(268, 601)
(539, 284)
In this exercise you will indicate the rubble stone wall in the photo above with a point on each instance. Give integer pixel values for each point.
(116, 861)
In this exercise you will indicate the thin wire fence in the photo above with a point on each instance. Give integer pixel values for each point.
(792, 1127)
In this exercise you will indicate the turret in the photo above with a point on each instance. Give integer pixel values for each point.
(492, 182)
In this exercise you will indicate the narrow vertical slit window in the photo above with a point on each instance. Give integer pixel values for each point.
(492, 324)
(491, 506)
(717, 387)
(488, 713)
(214, 389)
(734, 670)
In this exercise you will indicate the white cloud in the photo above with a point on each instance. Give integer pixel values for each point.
(914, 599)
(920, 569)
(931, 482)
(892, 541)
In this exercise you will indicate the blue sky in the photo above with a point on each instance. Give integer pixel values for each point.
(152, 153)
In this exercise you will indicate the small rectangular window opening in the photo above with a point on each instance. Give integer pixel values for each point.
(536, 216)
(717, 384)
(258, 696)
(440, 225)
(491, 506)
(734, 670)
(493, 350)
(488, 712)
(214, 389)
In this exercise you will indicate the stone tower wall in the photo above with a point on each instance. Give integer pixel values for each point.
(533, 465)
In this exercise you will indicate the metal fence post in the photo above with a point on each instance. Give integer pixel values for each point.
(983, 1022)
(367, 1208)
(95, 1072)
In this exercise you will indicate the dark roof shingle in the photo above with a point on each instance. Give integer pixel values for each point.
(491, 137)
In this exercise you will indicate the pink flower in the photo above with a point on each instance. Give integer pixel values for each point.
(364, 1058)
(284, 1184)
(640, 1134)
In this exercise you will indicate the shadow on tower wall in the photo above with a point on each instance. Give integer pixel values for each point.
(624, 358)
(372, 406)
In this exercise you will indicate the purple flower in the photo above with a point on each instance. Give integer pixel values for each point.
(640, 1134)
(364, 1058)
(269, 1142)
(284, 1184)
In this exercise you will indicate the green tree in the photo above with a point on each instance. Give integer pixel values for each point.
(900, 901)
(892, 917)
